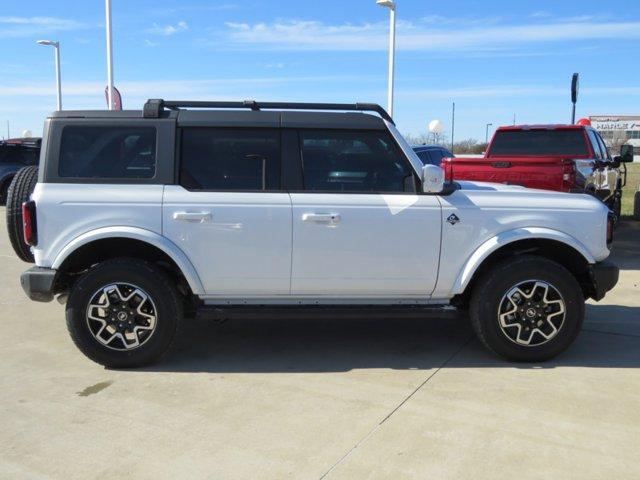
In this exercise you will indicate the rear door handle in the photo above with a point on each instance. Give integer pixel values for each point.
(199, 217)
(321, 217)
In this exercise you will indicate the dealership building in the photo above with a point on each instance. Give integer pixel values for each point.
(618, 129)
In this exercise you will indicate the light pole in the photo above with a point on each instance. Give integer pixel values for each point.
(486, 135)
(55, 45)
(391, 5)
(453, 123)
(109, 54)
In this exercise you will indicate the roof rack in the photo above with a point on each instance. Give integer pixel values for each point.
(154, 107)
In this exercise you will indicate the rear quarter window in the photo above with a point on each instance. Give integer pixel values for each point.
(107, 152)
(539, 142)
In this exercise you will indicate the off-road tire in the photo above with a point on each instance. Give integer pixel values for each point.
(147, 276)
(494, 284)
(19, 192)
(636, 205)
(617, 209)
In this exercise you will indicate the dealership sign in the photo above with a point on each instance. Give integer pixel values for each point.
(613, 123)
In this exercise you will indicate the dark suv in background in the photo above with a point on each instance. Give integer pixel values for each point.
(432, 154)
(16, 153)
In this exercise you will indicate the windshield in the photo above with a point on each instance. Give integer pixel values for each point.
(569, 142)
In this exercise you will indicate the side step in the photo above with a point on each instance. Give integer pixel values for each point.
(312, 312)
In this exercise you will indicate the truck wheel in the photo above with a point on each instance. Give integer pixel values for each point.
(4, 186)
(527, 308)
(19, 192)
(617, 208)
(636, 205)
(124, 313)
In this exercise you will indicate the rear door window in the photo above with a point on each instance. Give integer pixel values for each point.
(240, 159)
(559, 142)
(107, 152)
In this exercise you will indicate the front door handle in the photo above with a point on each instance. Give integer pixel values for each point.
(321, 217)
(199, 217)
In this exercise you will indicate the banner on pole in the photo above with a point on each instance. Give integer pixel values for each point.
(117, 98)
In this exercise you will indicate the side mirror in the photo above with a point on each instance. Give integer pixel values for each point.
(626, 153)
(432, 179)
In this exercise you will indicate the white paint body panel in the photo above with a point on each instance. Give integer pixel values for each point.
(242, 248)
(66, 211)
(380, 245)
(493, 215)
(73, 215)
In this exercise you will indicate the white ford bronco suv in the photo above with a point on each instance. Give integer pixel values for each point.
(221, 209)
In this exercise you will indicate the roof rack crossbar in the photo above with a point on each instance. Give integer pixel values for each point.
(154, 107)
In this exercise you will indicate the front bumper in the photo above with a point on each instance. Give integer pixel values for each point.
(38, 283)
(604, 276)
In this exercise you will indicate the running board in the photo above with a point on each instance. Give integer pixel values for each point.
(312, 312)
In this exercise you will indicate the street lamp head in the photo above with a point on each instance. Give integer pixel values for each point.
(47, 42)
(387, 3)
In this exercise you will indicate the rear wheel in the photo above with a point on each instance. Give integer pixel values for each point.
(19, 192)
(124, 313)
(636, 206)
(527, 309)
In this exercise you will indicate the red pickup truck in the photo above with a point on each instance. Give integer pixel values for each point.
(566, 158)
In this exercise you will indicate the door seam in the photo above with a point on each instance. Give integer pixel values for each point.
(291, 250)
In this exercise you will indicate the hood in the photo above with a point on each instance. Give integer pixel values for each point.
(499, 195)
(498, 187)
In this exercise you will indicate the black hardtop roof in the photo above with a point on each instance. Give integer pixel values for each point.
(248, 114)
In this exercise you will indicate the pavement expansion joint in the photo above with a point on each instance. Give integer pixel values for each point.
(397, 407)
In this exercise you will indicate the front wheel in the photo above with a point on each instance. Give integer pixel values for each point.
(124, 313)
(527, 308)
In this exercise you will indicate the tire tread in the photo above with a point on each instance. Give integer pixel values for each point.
(490, 277)
(19, 191)
(88, 347)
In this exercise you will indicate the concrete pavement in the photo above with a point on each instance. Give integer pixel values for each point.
(307, 399)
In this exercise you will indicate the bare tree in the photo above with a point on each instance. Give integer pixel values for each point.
(469, 146)
(428, 139)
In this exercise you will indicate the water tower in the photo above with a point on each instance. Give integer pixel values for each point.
(436, 128)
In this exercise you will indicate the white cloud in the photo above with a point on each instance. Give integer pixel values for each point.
(232, 87)
(422, 36)
(506, 91)
(176, 88)
(540, 14)
(195, 8)
(168, 30)
(13, 27)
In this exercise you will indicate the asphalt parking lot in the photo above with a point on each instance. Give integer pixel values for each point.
(314, 399)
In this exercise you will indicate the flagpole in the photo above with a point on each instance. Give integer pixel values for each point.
(109, 54)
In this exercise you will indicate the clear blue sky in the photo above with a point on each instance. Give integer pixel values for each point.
(493, 58)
